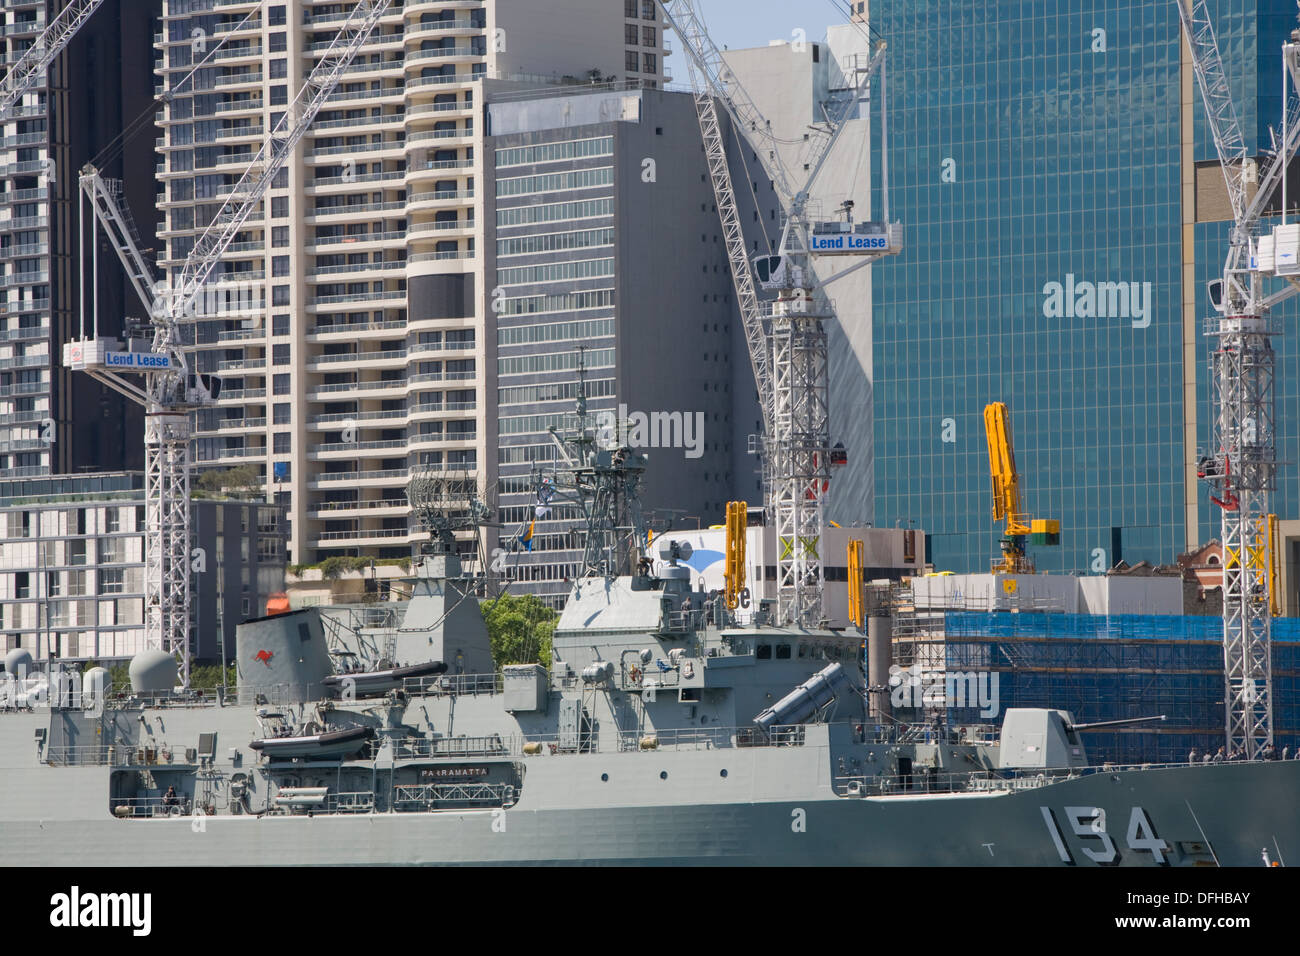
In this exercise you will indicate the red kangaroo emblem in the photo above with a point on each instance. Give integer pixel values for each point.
(264, 657)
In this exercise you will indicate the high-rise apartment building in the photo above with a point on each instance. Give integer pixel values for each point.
(54, 421)
(1064, 210)
(348, 319)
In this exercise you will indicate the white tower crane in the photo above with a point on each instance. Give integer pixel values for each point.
(1242, 463)
(36, 59)
(171, 391)
(786, 337)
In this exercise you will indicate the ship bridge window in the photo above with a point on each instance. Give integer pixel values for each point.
(783, 652)
(803, 650)
(764, 652)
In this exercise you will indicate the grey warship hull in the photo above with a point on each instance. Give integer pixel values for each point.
(761, 813)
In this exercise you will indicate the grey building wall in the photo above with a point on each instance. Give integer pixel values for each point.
(668, 342)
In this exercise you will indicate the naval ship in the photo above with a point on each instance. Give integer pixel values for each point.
(667, 730)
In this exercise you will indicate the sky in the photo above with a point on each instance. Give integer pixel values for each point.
(744, 23)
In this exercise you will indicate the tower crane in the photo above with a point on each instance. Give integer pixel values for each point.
(1006, 497)
(786, 336)
(170, 390)
(1241, 466)
(36, 59)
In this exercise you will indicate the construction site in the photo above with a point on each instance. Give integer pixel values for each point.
(397, 308)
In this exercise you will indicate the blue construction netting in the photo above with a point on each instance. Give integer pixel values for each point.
(1110, 668)
(1144, 627)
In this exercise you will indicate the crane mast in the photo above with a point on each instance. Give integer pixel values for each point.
(170, 391)
(36, 59)
(1241, 467)
(786, 337)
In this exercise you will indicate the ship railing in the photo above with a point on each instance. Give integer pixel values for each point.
(91, 755)
(133, 808)
(491, 745)
(454, 684)
(356, 801)
(410, 797)
(685, 738)
(917, 782)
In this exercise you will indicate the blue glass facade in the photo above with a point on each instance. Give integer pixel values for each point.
(1035, 161)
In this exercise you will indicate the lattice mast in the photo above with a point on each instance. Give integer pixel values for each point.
(787, 345)
(30, 68)
(171, 391)
(1241, 467)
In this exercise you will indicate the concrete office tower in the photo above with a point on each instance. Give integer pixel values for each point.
(607, 237)
(54, 421)
(796, 84)
(347, 320)
(1064, 212)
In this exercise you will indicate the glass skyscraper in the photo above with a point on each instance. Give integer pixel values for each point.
(1049, 161)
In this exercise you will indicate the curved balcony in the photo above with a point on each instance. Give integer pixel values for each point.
(337, 420)
(365, 242)
(388, 298)
(344, 331)
(361, 479)
(438, 263)
(379, 507)
(363, 537)
(332, 393)
(433, 199)
(357, 449)
(329, 363)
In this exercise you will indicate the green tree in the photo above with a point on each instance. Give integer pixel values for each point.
(520, 628)
(241, 480)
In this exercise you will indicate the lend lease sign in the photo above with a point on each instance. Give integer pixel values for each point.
(847, 241)
(136, 360)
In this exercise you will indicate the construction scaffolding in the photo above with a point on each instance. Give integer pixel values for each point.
(1103, 668)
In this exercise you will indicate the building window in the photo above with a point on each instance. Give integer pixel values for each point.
(629, 34)
(282, 413)
(277, 43)
(112, 580)
(279, 266)
(279, 69)
(280, 384)
(280, 354)
(281, 180)
(648, 36)
(283, 443)
(280, 295)
(279, 95)
(275, 16)
(279, 207)
(279, 325)
(648, 10)
(631, 61)
(279, 236)
(648, 64)
(629, 9)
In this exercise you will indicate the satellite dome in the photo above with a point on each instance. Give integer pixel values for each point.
(95, 681)
(17, 661)
(152, 671)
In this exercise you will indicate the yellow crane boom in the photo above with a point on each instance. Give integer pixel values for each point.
(1006, 497)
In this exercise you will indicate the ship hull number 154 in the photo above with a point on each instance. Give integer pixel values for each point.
(1088, 824)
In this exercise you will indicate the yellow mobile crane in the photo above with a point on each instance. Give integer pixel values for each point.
(1006, 497)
